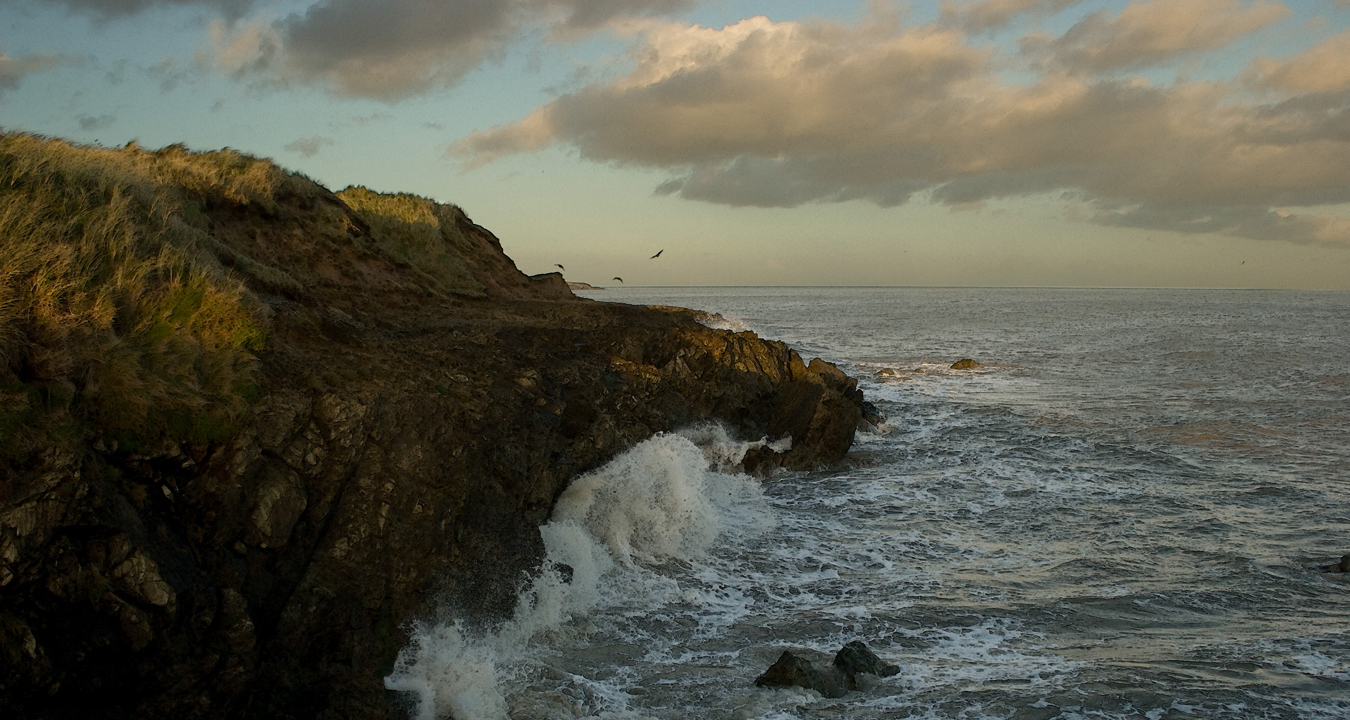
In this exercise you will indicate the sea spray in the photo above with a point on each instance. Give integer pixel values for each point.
(667, 499)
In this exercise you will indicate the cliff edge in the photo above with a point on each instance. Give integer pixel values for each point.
(249, 428)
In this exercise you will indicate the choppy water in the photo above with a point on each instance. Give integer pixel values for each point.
(1113, 518)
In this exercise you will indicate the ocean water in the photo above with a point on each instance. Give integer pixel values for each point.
(1118, 515)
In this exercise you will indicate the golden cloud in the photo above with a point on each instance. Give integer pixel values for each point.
(779, 114)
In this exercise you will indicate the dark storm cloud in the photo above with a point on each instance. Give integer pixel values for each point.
(591, 14)
(396, 49)
(119, 8)
(981, 15)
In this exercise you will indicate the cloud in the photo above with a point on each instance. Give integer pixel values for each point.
(1152, 32)
(396, 49)
(1325, 68)
(780, 114)
(13, 70)
(593, 14)
(309, 146)
(168, 75)
(242, 50)
(756, 87)
(983, 15)
(99, 122)
(122, 8)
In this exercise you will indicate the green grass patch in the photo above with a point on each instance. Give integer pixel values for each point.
(115, 315)
(419, 232)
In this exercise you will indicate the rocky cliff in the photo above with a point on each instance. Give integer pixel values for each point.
(239, 522)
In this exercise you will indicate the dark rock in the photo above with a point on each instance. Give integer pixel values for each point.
(793, 671)
(1340, 567)
(872, 416)
(564, 572)
(551, 285)
(856, 657)
(401, 446)
(966, 364)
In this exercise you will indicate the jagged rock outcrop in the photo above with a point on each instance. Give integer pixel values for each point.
(412, 427)
(852, 660)
(855, 658)
(795, 671)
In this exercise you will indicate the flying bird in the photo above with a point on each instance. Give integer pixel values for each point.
(616, 277)
(657, 255)
(560, 267)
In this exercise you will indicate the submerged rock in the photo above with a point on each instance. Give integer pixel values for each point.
(966, 364)
(1339, 567)
(856, 657)
(794, 671)
(853, 659)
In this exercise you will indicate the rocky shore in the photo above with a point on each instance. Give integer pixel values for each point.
(410, 423)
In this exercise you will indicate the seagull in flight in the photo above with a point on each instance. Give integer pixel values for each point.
(657, 255)
(560, 267)
(616, 277)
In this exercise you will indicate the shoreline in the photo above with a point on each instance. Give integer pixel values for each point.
(405, 424)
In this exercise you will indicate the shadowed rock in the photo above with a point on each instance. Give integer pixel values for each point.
(966, 364)
(856, 657)
(851, 660)
(403, 432)
(1339, 567)
(794, 671)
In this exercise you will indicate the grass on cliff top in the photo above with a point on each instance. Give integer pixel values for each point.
(117, 315)
(421, 232)
(113, 311)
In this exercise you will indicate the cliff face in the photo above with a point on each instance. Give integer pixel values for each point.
(412, 422)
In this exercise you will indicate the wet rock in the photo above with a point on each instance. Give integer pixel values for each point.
(794, 671)
(856, 657)
(853, 659)
(400, 447)
(564, 572)
(872, 420)
(966, 364)
(278, 579)
(1338, 567)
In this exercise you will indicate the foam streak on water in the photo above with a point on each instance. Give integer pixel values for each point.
(1115, 517)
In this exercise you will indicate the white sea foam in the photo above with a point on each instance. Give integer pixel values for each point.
(719, 321)
(657, 503)
(1023, 539)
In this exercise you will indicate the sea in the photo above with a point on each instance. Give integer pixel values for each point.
(1122, 512)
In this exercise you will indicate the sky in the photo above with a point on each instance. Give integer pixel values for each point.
(1145, 143)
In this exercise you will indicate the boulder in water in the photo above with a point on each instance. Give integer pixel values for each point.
(794, 671)
(1339, 567)
(851, 660)
(966, 364)
(856, 657)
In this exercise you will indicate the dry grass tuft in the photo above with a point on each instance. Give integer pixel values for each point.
(420, 232)
(113, 310)
(125, 275)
